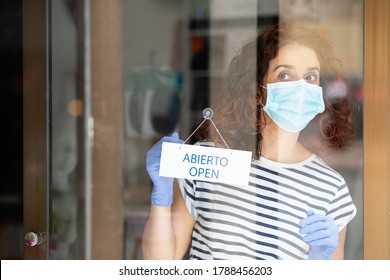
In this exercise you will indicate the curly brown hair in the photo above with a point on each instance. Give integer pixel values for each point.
(238, 110)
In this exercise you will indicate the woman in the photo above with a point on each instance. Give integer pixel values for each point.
(295, 206)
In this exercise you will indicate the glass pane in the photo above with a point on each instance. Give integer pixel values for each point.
(342, 24)
(177, 60)
(155, 63)
(65, 211)
(200, 54)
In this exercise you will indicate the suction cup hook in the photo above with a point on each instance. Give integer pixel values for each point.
(207, 113)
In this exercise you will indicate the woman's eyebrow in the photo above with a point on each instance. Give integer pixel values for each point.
(313, 69)
(284, 66)
(290, 67)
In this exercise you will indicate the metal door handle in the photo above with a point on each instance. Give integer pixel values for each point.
(33, 238)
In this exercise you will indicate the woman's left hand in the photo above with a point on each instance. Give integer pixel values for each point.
(321, 234)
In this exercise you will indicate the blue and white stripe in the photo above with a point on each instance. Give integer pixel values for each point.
(261, 220)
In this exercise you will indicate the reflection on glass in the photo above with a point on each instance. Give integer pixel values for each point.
(63, 225)
(213, 32)
(342, 23)
(64, 209)
(176, 55)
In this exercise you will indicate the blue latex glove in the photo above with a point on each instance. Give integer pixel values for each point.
(321, 234)
(162, 192)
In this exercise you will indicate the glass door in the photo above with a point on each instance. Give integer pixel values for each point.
(177, 66)
(105, 80)
(55, 204)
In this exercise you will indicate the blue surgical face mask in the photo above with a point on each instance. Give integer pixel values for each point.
(292, 105)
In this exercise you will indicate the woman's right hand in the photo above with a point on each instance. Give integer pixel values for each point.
(162, 192)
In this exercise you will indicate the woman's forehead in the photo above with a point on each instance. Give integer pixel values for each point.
(296, 56)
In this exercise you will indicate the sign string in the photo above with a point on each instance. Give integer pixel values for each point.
(207, 115)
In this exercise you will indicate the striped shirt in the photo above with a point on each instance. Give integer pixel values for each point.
(261, 220)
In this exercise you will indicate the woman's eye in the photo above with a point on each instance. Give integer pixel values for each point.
(284, 76)
(311, 78)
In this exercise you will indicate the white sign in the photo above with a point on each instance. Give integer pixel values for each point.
(205, 163)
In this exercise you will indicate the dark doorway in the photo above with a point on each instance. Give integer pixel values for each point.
(11, 83)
